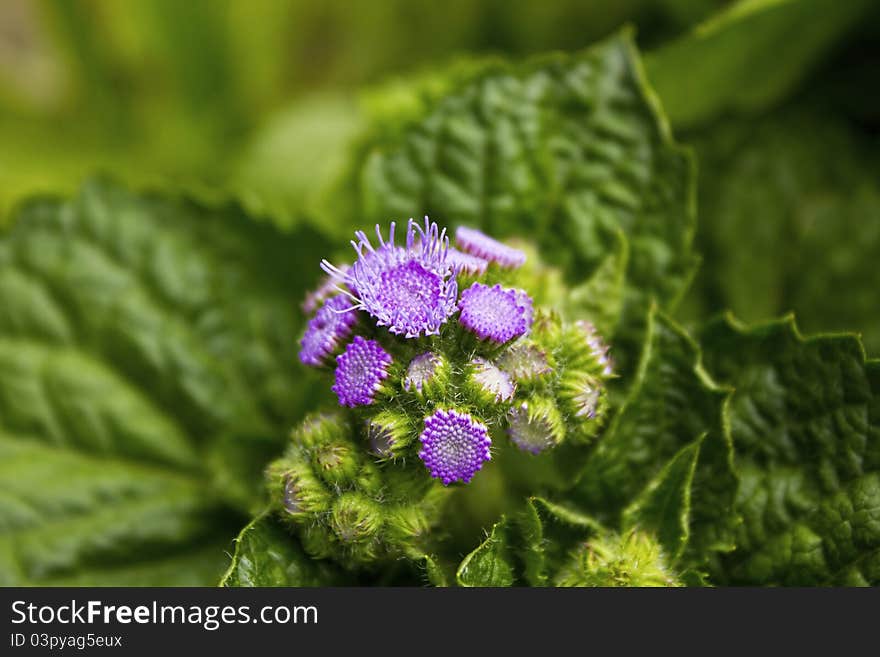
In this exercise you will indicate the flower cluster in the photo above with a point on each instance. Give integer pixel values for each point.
(446, 327)
(440, 357)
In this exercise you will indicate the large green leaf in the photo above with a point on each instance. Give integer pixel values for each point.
(673, 403)
(805, 421)
(748, 56)
(147, 373)
(563, 150)
(664, 506)
(790, 221)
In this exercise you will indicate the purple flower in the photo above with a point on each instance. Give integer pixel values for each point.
(328, 287)
(491, 381)
(360, 371)
(465, 262)
(481, 245)
(454, 446)
(410, 289)
(327, 331)
(495, 313)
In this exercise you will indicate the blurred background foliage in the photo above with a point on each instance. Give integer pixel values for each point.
(262, 100)
(222, 93)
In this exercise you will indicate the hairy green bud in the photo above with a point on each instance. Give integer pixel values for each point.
(320, 429)
(535, 425)
(356, 521)
(486, 383)
(389, 434)
(299, 493)
(427, 375)
(336, 462)
(631, 559)
(585, 399)
(406, 526)
(318, 541)
(525, 362)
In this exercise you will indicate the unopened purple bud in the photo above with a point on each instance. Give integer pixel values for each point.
(422, 371)
(491, 383)
(327, 331)
(481, 245)
(495, 313)
(360, 371)
(454, 446)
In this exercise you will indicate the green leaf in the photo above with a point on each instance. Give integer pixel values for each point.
(266, 554)
(563, 150)
(434, 572)
(600, 298)
(672, 404)
(813, 181)
(747, 57)
(491, 563)
(285, 169)
(805, 420)
(549, 533)
(664, 506)
(147, 374)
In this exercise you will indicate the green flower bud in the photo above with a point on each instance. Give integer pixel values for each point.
(546, 329)
(389, 434)
(356, 519)
(336, 462)
(583, 349)
(369, 479)
(317, 540)
(319, 429)
(525, 362)
(485, 383)
(427, 375)
(535, 425)
(405, 526)
(585, 399)
(296, 489)
(633, 559)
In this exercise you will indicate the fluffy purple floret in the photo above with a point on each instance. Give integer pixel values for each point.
(454, 446)
(410, 289)
(495, 313)
(481, 245)
(327, 331)
(360, 370)
(466, 263)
